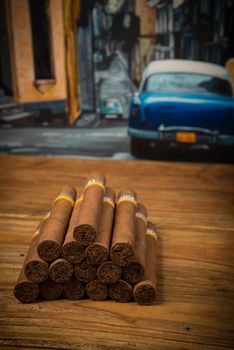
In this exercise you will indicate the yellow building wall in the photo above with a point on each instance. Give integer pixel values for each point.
(25, 89)
(147, 17)
(230, 66)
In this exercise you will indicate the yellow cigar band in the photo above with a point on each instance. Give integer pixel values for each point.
(127, 199)
(79, 200)
(68, 199)
(141, 216)
(95, 182)
(151, 233)
(109, 201)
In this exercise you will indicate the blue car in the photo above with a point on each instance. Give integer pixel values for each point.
(182, 103)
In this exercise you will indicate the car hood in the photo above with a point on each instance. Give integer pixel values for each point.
(212, 112)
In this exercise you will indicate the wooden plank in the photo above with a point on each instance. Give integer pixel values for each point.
(192, 207)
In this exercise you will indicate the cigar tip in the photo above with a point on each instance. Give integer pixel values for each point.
(96, 174)
(142, 208)
(109, 192)
(128, 192)
(151, 226)
(69, 190)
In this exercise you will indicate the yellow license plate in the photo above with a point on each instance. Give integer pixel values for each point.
(186, 137)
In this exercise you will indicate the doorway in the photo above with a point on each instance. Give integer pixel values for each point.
(6, 88)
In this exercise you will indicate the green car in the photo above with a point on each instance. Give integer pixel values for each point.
(111, 108)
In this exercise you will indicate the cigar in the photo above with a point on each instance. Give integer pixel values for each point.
(54, 230)
(144, 292)
(121, 291)
(71, 250)
(109, 272)
(91, 208)
(85, 272)
(134, 272)
(74, 289)
(50, 290)
(123, 239)
(61, 270)
(26, 290)
(97, 252)
(97, 290)
(36, 269)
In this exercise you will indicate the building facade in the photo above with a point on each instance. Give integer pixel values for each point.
(38, 57)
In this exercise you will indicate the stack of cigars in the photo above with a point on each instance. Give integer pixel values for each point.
(92, 244)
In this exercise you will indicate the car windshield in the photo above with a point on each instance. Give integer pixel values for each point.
(187, 82)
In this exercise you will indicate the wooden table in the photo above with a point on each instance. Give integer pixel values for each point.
(192, 206)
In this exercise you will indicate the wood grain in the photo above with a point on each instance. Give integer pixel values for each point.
(192, 207)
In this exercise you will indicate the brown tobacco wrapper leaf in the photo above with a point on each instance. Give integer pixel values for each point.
(61, 270)
(109, 272)
(71, 250)
(144, 292)
(134, 272)
(123, 239)
(85, 272)
(25, 290)
(54, 230)
(91, 209)
(36, 269)
(97, 252)
(97, 290)
(74, 289)
(50, 290)
(121, 291)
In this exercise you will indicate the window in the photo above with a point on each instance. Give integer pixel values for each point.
(204, 6)
(187, 83)
(41, 39)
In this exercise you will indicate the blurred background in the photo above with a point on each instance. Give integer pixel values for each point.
(69, 69)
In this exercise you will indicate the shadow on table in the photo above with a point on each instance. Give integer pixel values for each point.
(201, 156)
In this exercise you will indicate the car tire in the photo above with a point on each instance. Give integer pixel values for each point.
(138, 147)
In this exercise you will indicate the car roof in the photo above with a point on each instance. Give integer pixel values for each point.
(186, 66)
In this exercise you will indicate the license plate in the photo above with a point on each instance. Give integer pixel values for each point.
(186, 137)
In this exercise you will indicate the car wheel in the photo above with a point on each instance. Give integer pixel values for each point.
(138, 147)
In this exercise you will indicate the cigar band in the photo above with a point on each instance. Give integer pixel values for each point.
(140, 215)
(79, 200)
(151, 233)
(66, 197)
(109, 200)
(127, 198)
(95, 182)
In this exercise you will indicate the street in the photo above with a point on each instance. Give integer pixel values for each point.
(97, 142)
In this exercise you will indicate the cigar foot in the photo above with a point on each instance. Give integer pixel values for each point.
(122, 254)
(61, 271)
(36, 271)
(144, 293)
(48, 250)
(109, 272)
(84, 234)
(74, 289)
(50, 290)
(133, 273)
(85, 272)
(73, 252)
(26, 291)
(121, 291)
(97, 290)
(96, 253)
